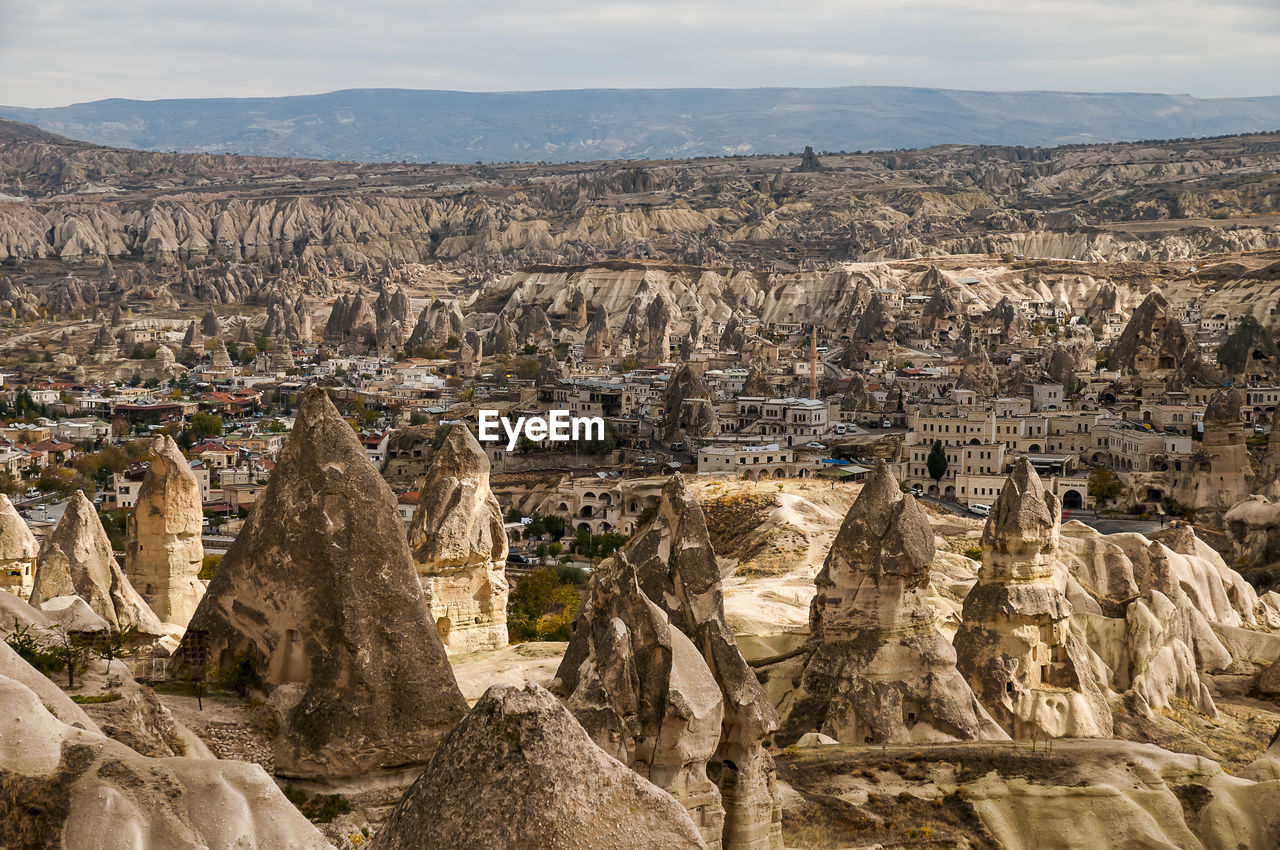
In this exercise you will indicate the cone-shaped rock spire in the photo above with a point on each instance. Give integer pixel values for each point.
(319, 592)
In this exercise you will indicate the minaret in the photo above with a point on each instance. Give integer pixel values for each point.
(813, 360)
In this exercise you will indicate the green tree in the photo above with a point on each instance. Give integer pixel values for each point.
(1104, 485)
(206, 425)
(937, 461)
(555, 525)
(541, 607)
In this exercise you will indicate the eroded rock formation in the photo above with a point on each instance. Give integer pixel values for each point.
(688, 411)
(460, 546)
(319, 593)
(1221, 469)
(1016, 646)
(519, 771)
(76, 560)
(677, 570)
(164, 553)
(881, 672)
(18, 551)
(644, 694)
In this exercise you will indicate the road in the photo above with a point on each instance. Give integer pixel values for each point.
(1106, 525)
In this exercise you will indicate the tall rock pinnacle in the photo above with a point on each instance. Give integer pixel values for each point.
(460, 546)
(164, 552)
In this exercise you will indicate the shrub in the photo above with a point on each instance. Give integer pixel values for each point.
(33, 650)
(973, 553)
(209, 566)
(242, 676)
(542, 606)
(317, 808)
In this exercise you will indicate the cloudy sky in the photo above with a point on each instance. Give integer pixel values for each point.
(55, 52)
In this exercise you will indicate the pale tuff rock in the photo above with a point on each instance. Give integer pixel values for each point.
(1162, 666)
(1177, 573)
(644, 694)
(1221, 468)
(535, 327)
(460, 547)
(1153, 342)
(164, 552)
(1006, 319)
(979, 375)
(599, 340)
(18, 551)
(438, 321)
(856, 395)
(192, 340)
(222, 359)
(320, 589)
(105, 346)
(1016, 646)
(281, 359)
(209, 325)
(50, 695)
(881, 671)
(756, 385)
(76, 560)
(1254, 526)
(72, 787)
(677, 569)
(688, 410)
(1250, 353)
(352, 323)
(519, 771)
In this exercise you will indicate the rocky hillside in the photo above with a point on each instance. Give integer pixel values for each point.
(78, 203)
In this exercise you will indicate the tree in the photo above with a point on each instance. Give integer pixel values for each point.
(70, 649)
(937, 461)
(112, 645)
(541, 607)
(1104, 485)
(555, 525)
(206, 425)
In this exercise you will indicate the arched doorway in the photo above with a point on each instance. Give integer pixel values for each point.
(1072, 500)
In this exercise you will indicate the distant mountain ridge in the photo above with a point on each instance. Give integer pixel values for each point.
(381, 125)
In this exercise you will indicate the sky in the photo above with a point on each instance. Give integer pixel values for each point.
(56, 52)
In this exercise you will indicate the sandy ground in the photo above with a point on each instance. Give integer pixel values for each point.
(516, 665)
(774, 536)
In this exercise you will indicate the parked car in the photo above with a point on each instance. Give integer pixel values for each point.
(516, 558)
(677, 446)
(917, 490)
(888, 423)
(814, 446)
(980, 510)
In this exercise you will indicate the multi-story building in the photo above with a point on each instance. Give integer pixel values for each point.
(752, 461)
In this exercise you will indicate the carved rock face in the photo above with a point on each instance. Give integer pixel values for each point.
(1016, 645)
(677, 570)
(1020, 539)
(644, 694)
